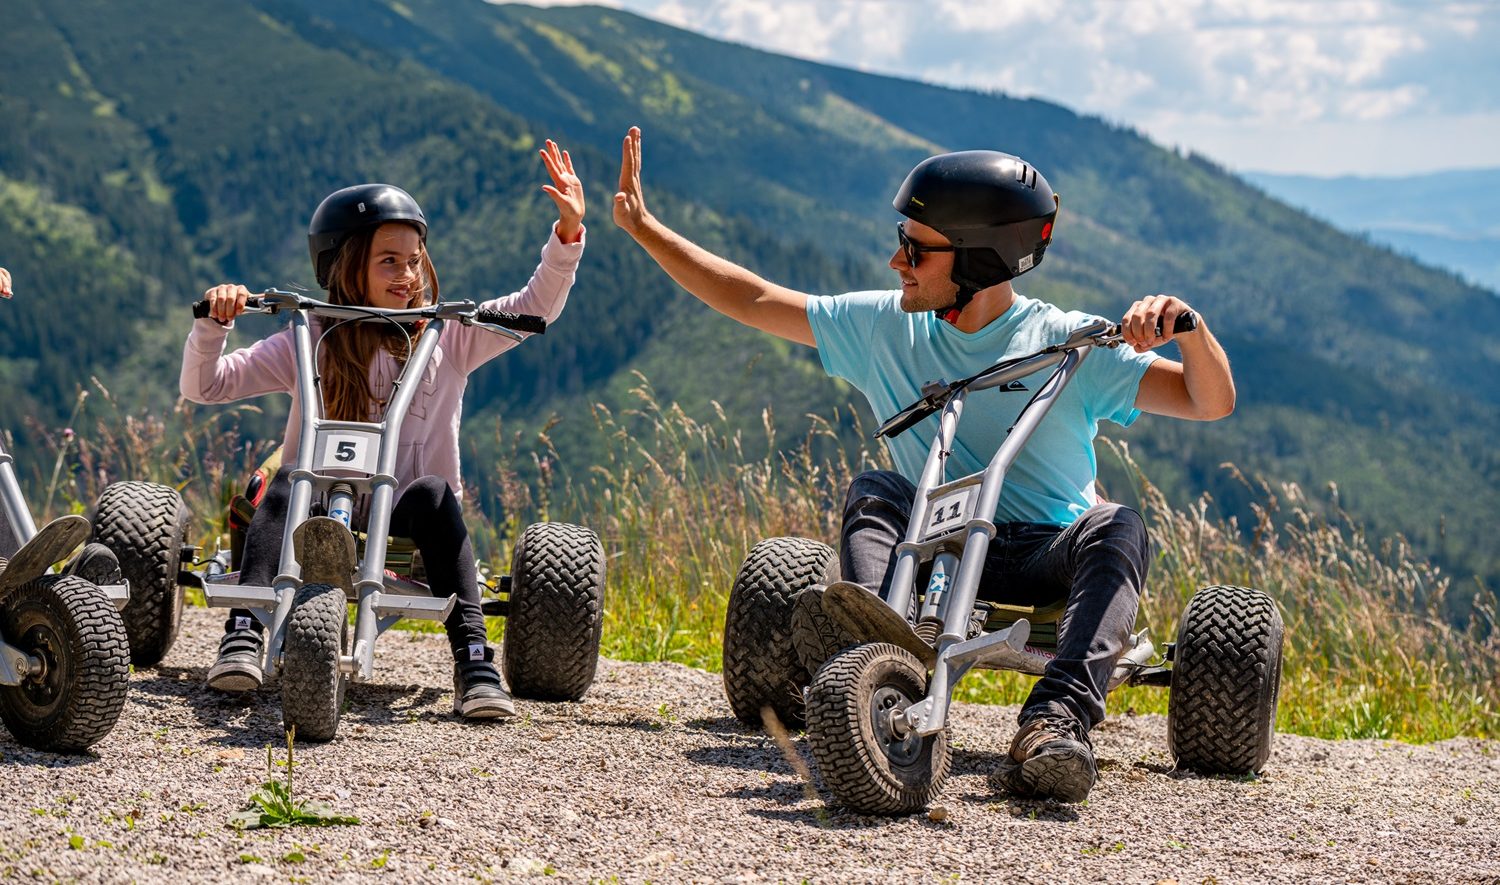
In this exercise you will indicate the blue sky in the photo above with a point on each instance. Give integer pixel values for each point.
(1322, 87)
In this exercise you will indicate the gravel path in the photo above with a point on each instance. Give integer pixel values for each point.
(649, 778)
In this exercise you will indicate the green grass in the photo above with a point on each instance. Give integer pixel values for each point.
(679, 500)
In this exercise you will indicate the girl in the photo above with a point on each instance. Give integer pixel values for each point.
(368, 247)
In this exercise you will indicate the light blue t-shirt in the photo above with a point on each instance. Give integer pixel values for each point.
(866, 339)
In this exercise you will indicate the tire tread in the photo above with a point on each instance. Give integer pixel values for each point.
(1226, 676)
(145, 524)
(556, 619)
(761, 665)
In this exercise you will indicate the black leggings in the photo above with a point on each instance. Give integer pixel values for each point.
(427, 512)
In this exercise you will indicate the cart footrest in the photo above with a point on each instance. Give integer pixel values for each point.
(119, 594)
(219, 595)
(422, 608)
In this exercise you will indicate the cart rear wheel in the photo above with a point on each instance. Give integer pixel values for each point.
(556, 619)
(1226, 677)
(761, 666)
(146, 525)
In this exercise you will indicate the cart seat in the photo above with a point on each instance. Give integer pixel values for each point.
(1043, 619)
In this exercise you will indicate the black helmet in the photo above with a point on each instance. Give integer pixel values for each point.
(995, 208)
(352, 209)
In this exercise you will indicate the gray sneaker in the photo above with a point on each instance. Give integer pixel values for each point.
(815, 635)
(238, 666)
(477, 691)
(1051, 757)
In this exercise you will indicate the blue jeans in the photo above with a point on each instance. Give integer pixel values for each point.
(1098, 564)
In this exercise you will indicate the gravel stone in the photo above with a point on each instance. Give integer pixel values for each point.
(651, 777)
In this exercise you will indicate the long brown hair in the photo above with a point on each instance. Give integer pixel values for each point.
(350, 350)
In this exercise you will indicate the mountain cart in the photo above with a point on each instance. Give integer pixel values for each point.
(553, 600)
(64, 652)
(876, 713)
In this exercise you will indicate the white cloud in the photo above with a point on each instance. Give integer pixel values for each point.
(1252, 64)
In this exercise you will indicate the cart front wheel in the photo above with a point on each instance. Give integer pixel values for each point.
(79, 664)
(868, 760)
(312, 680)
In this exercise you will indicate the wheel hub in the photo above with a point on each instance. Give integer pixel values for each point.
(900, 743)
(43, 682)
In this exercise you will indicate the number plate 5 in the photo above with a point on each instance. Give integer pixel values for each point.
(345, 450)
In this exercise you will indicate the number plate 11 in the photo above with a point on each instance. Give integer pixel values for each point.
(951, 511)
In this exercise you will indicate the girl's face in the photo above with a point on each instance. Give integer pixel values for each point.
(393, 276)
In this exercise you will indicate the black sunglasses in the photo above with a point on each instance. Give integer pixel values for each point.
(912, 249)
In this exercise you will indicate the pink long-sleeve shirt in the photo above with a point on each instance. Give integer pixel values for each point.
(429, 436)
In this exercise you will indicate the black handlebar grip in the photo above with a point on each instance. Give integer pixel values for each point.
(521, 322)
(200, 308)
(1186, 322)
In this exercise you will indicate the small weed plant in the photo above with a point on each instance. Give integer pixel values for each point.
(274, 804)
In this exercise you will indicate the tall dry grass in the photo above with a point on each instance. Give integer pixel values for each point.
(678, 501)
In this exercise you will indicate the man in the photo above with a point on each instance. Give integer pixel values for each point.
(975, 220)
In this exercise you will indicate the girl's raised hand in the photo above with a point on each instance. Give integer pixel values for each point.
(565, 190)
(4, 283)
(226, 301)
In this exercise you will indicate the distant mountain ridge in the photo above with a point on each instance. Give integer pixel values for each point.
(1445, 219)
(168, 147)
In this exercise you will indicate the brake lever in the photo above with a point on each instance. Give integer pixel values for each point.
(498, 330)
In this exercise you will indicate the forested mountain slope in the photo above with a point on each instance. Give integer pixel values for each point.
(151, 149)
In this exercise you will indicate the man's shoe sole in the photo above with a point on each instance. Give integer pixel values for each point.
(1065, 775)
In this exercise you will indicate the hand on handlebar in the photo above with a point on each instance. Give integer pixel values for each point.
(226, 301)
(1149, 323)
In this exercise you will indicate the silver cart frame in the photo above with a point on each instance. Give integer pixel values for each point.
(338, 463)
(952, 524)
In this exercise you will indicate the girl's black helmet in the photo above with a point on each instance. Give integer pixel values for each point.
(352, 209)
(996, 209)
